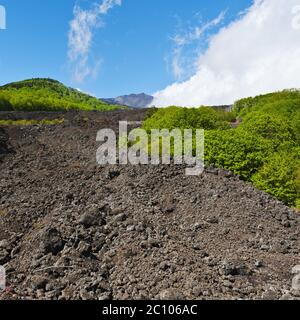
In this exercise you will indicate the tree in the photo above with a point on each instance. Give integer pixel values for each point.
(268, 126)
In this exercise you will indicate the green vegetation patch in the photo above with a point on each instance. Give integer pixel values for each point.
(263, 149)
(48, 95)
(21, 123)
(187, 118)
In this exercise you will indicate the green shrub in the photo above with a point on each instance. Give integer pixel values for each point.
(269, 126)
(242, 153)
(280, 177)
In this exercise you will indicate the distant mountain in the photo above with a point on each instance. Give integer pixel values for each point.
(42, 94)
(141, 100)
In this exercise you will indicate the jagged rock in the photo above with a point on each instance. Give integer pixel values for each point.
(113, 174)
(270, 295)
(92, 218)
(168, 204)
(235, 270)
(258, 264)
(105, 296)
(4, 256)
(84, 248)
(213, 220)
(52, 242)
(296, 270)
(5, 244)
(296, 283)
(38, 282)
(171, 294)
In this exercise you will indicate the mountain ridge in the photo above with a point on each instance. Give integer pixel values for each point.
(140, 100)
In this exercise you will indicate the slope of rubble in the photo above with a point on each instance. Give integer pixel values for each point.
(70, 229)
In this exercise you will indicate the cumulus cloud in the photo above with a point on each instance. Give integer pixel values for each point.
(80, 38)
(257, 53)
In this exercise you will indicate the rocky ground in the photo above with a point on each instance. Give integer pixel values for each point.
(70, 229)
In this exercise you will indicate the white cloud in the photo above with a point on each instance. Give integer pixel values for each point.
(80, 38)
(86, 92)
(198, 31)
(258, 53)
(106, 5)
(182, 63)
(177, 64)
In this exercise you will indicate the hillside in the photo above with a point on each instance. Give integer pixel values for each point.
(262, 146)
(47, 95)
(70, 229)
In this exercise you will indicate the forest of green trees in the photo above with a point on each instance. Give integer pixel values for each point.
(47, 95)
(263, 148)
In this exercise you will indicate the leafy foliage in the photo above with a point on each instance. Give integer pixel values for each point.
(283, 102)
(263, 149)
(242, 154)
(279, 176)
(271, 126)
(185, 118)
(47, 95)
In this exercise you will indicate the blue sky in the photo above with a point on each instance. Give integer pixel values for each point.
(134, 45)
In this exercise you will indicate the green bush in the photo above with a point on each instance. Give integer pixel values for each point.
(280, 177)
(269, 126)
(242, 153)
